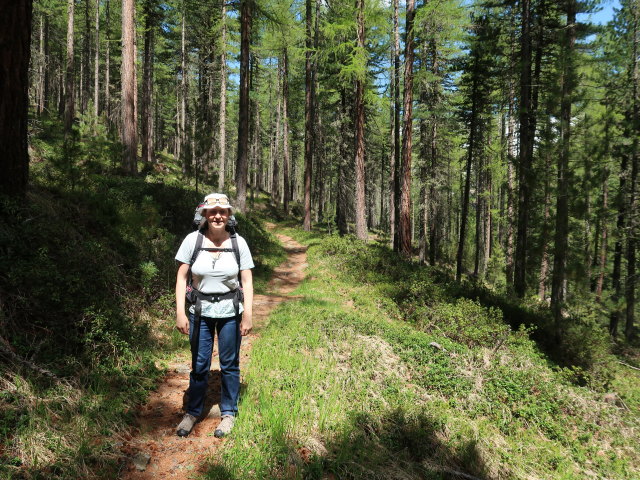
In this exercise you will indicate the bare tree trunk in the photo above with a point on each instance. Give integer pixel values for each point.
(361, 225)
(184, 91)
(511, 158)
(275, 180)
(285, 130)
(632, 240)
(223, 101)
(69, 112)
(544, 262)
(395, 190)
(467, 182)
(524, 173)
(404, 219)
(86, 60)
(148, 154)
(15, 38)
(96, 65)
(308, 119)
(558, 280)
(41, 68)
(129, 121)
(243, 112)
(107, 63)
(603, 235)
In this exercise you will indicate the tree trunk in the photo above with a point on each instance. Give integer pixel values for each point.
(404, 219)
(558, 280)
(148, 154)
(602, 260)
(467, 182)
(525, 161)
(511, 159)
(222, 137)
(544, 262)
(275, 180)
(69, 113)
(129, 121)
(632, 239)
(15, 38)
(308, 118)
(184, 91)
(285, 130)
(395, 190)
(361, 225)
(86, 59)
(243, 105)
(96, 65)
(107, 62)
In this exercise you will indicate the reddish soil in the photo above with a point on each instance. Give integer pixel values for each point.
(155, 435)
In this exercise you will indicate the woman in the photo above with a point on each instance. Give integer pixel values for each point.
(218, 308)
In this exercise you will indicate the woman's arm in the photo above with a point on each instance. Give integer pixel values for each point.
(247, 315)
(182, 322)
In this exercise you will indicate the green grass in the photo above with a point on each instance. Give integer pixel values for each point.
(348, 381)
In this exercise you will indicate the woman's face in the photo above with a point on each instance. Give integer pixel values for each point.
(216, 217)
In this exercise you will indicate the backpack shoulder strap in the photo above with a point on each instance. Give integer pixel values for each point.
(236, 251)
(197, 248)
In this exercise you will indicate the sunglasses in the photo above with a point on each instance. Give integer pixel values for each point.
(217, 201)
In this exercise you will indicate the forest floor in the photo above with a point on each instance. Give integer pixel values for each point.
(154, 450)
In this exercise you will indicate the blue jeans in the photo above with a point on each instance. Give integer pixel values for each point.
(229, 338)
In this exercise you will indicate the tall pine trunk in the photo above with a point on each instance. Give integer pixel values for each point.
(148, 154)
(222, 121)
(242, 162)
(15, 38)
(361, 225)
(285, 130)
(630, 286)
(394, 201)
(308, 118)
(404, 219)
(69, 107)
(525, 160)
(128, 79)
(559, 278)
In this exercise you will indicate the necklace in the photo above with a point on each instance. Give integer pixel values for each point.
(215, 256)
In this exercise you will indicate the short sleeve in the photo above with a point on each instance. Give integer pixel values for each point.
(186, 248)
(246, 260)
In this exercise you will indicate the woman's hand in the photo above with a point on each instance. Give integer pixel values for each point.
(182, 323)
(246, 324)
(247, 315)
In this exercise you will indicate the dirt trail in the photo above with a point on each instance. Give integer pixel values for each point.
(155, 443)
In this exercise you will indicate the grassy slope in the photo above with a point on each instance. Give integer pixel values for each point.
(86, 283)
(372, 374)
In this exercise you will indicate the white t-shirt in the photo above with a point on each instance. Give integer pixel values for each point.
(215, 275)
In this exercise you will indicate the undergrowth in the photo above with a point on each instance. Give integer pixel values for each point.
(385, 369)
(87, 276)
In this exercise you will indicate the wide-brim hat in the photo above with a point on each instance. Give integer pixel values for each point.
(215, 200)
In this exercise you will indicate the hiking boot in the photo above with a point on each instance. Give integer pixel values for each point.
(225, 426)
(186, 425)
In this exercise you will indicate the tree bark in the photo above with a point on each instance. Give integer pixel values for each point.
(222, 137)
(243, 105)
(632, 239)
(394, 200)
(148, 154)
(69, 112)
(15, 38)
(128, 79)
(285, 130)
(361, 225)
(308, 118)
(404, 219)
(107, 62)
(96, 64)
(558, 280)
(524, 173)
